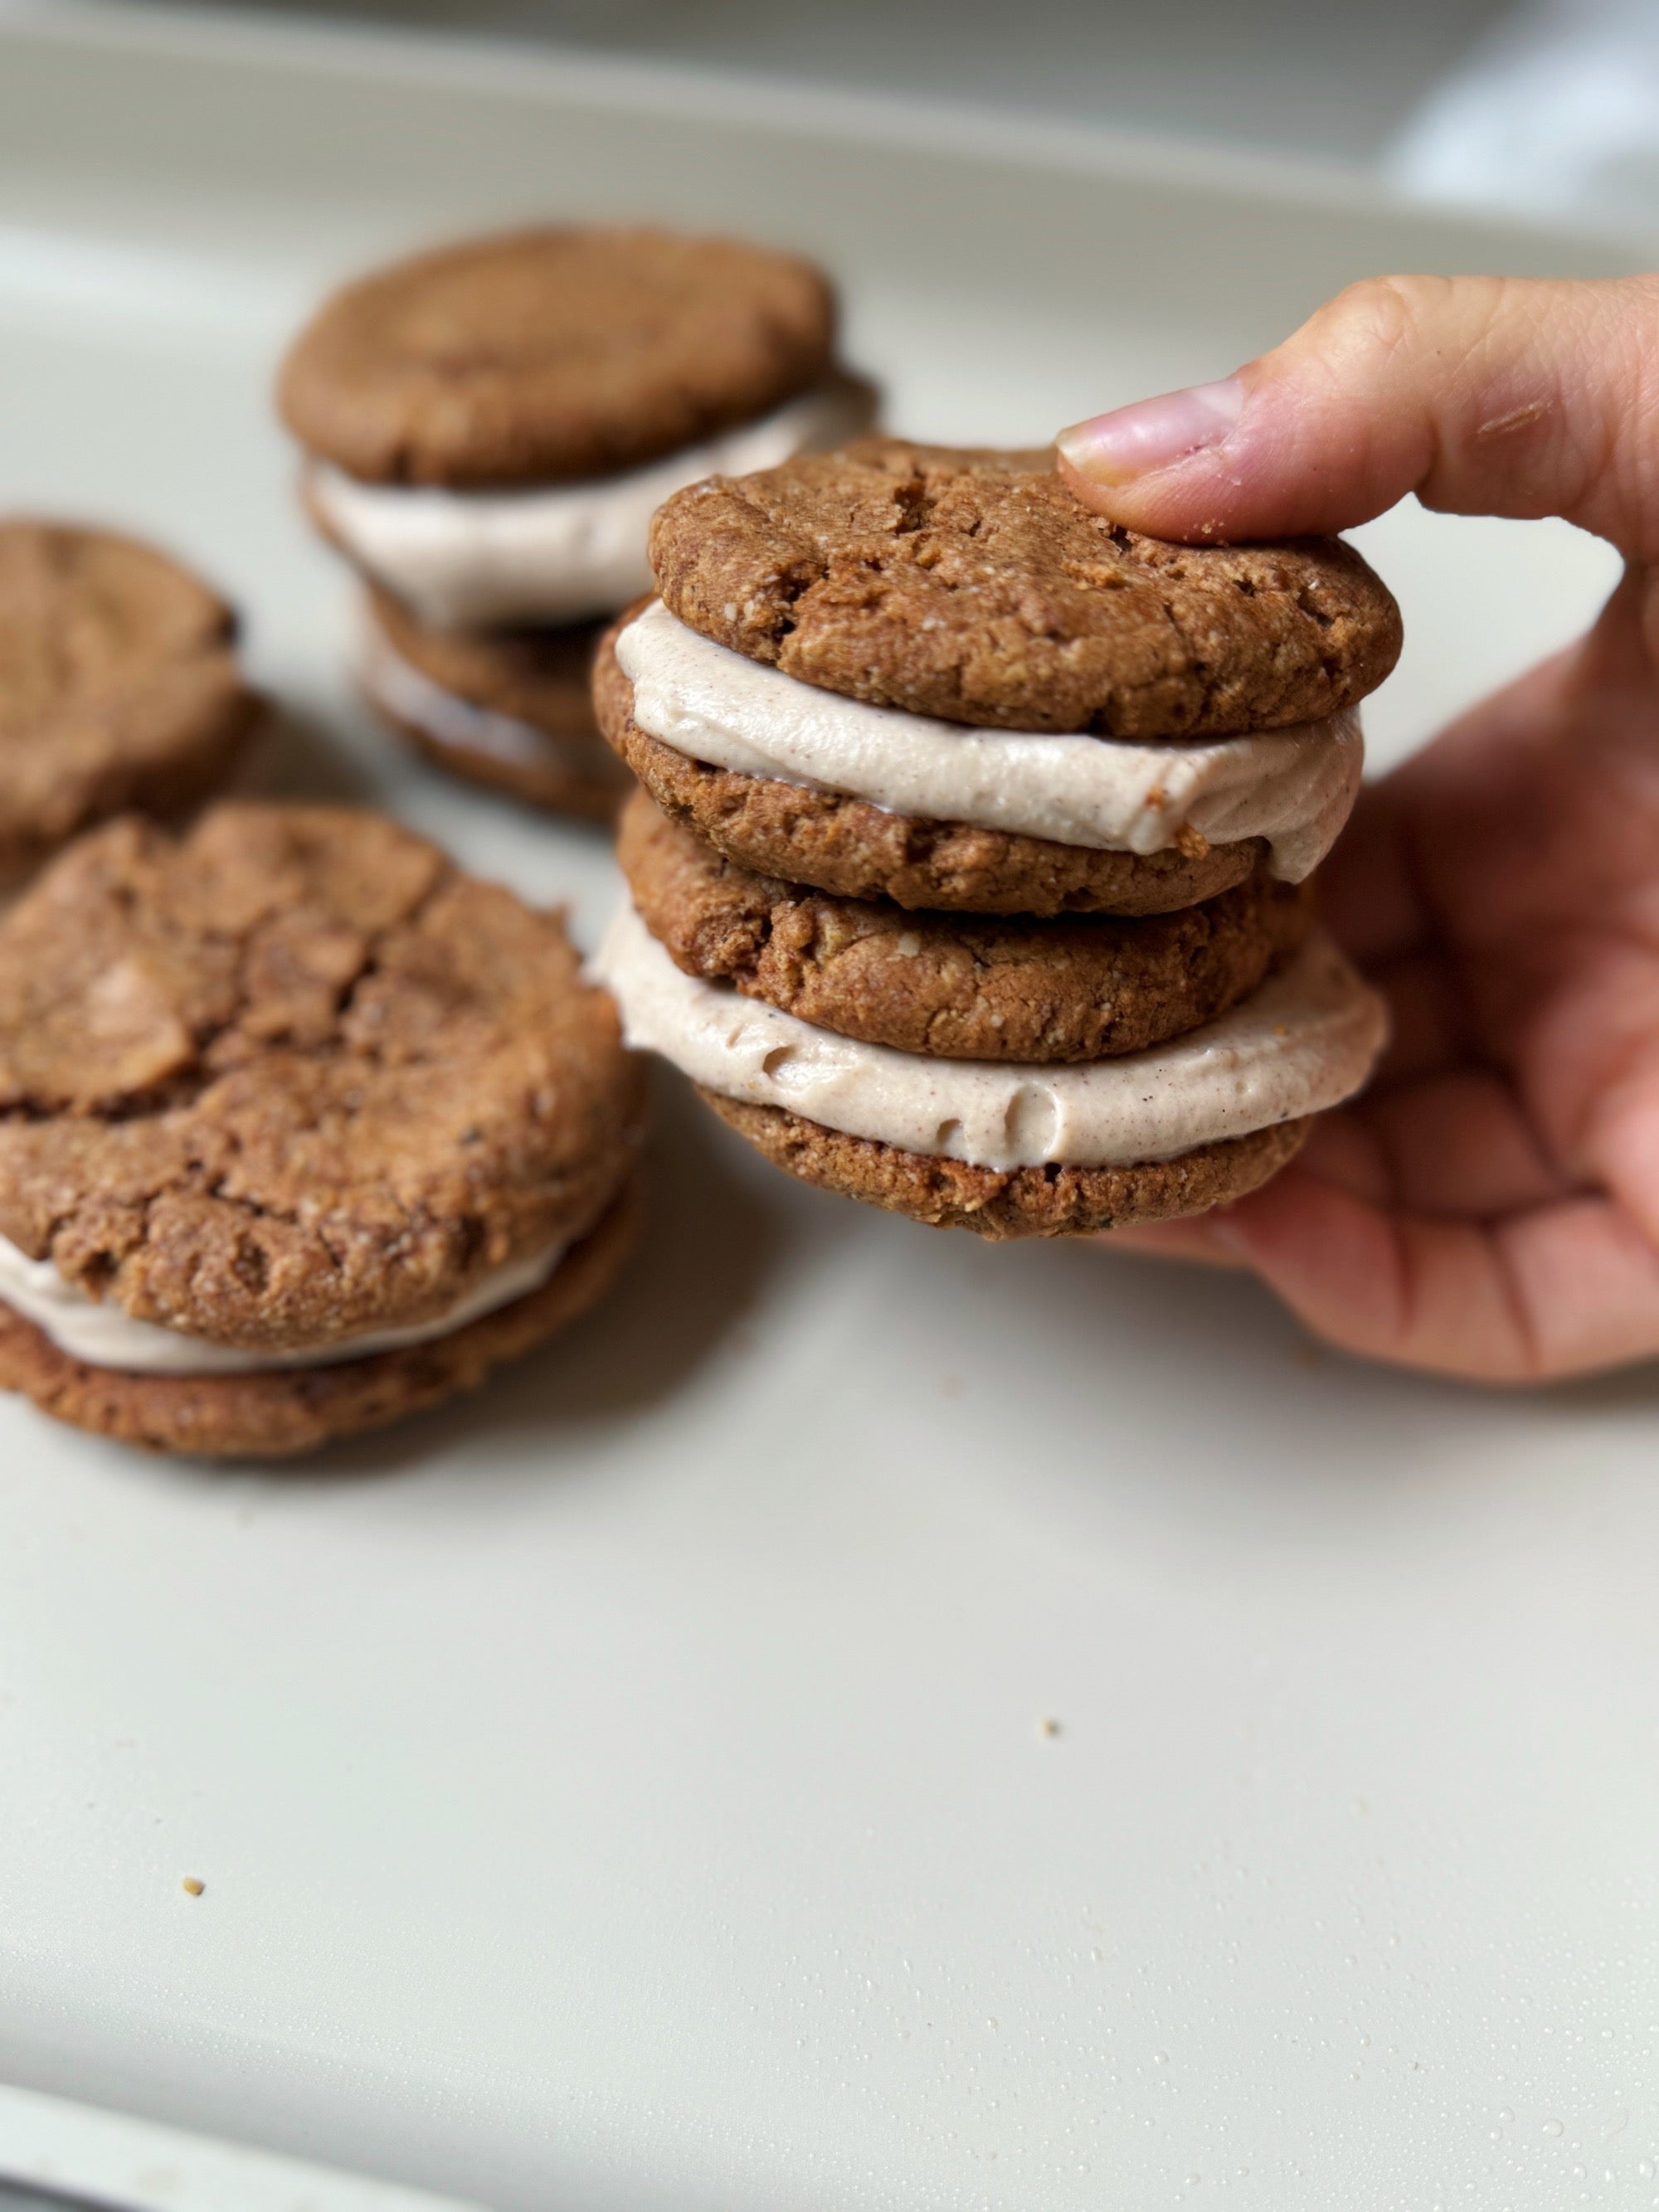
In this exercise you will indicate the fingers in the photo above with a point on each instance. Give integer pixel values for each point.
(1562, 1289)
(1483, 395)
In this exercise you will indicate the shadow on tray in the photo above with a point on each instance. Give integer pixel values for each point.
(708, 1240)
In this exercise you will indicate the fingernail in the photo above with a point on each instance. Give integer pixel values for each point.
(1133, 441)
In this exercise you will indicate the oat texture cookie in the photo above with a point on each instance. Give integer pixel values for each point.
(973, 587)
(120, 685)
(511, 709)
(300, 1128)
(961, 987)
(971, 876)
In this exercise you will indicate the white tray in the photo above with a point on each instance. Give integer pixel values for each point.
(627, 1791)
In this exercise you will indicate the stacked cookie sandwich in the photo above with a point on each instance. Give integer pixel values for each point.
(488, 429)
(970, 869)
(300, 1129)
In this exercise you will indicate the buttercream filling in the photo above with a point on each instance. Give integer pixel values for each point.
(1305, 1040)
(408, 695)
(553, 553)
(99, 1332)
(1293, 788)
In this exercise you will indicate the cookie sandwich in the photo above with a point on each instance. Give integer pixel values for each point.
(970, 870)
(301, 1130)
(120, 685)
(487, 431)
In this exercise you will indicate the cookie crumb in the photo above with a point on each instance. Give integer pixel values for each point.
(192, 1886)
(1047, 1725)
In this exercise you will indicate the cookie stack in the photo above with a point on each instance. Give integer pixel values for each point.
(970, 869)
(300, 1129)
(488, 429)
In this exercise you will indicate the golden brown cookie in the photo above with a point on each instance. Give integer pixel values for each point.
(511, 709)
(118, 685)
(955, 987)
(954, 583)
(276, 1415)
(998, 1203)
(847, 846)
(295, 1078)
(550, 355)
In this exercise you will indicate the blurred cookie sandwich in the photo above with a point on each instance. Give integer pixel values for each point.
(489, 428)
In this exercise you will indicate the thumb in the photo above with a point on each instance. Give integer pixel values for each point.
(1483, 395)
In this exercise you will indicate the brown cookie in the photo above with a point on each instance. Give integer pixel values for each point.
(295, 1077)
(118, 685)
(532, 731)
(950, 583)
(277, 1414)
(1047, 1201)
(838, 843)
(548, 355)
(955, 987)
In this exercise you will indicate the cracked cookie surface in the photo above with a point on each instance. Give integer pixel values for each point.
(1006, 1202)
(971, 585)
(547, 355)
(119, 684)
(839, 843)
(954, 987)
(294, 1076)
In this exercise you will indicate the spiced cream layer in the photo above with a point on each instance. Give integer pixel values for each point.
(97, 1332)
(1293, 788)
(1302, 1041)
(557, 552)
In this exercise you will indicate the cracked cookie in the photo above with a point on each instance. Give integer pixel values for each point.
(293, 1113)
(119, 686)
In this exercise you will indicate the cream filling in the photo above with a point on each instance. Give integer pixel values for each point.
(1294, 787)
(98, 1332)
(1305, 1040)
(553, 553)
(408, 696)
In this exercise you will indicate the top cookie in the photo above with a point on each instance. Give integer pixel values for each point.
(550, 355)
(119, 682)
(295, 1076)
(971, 585)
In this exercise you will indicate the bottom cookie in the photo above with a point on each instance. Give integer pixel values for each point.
(275, 1415)
(1043, 1202)
(511, 710)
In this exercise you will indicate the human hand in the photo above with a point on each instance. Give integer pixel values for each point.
(1490, 1208)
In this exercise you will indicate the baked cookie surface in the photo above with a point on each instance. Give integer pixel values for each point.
(119, 684)
(1006, 1202)
(955, 987)
(973, 587)
(841, 844)
(550, 355)
(295, 1078)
